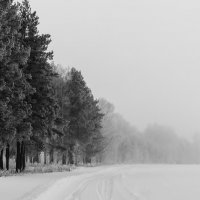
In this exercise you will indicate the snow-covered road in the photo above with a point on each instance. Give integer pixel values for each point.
(125, 182)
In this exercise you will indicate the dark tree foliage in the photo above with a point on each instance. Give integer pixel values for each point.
(38, 108)
(84, 115)
(60, 85)
(43, 102)
(14, 109)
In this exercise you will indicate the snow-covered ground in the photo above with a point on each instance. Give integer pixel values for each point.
(122, 182)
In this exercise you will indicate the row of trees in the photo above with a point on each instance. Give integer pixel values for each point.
(47, 108)
(39, 107)
(156, 144)
(83, 116)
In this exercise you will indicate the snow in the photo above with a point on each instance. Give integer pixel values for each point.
(26, 186)
(122, 182)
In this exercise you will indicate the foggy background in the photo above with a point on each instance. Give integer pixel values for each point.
(143, 56)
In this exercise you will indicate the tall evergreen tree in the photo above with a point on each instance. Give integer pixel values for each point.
(95, 140)
(43, 102)
(84, 114)
(61, 88)
(14, 109)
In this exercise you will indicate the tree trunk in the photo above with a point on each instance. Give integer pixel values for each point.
(7, 156)
(84, 159)
(18, 157)
(75, 158)
(27, 159)
(70, 155)
(64, 158)
(24, 158)
(45, 156)
(1, 160)
(21, 156)
(51, 156)
(23, 161)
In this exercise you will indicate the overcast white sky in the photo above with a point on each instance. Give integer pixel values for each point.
(142, 55)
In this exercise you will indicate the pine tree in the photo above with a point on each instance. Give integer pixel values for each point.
(43, 101)
(61, 88)
(95, 140)
(14, 110)
(84, 115)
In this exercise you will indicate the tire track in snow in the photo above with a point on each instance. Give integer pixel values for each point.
(76, 194)
(107, 189)
(66, 188)
(106, 184)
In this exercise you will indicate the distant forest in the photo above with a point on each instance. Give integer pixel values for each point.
(47, 108)
(156, 144)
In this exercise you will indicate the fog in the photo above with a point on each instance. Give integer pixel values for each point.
(141, 55)
(156, 144)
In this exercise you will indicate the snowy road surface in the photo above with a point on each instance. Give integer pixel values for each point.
(125, 182)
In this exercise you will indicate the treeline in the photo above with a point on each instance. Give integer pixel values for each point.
(41, 110)
(45, 108)
(156, 144)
